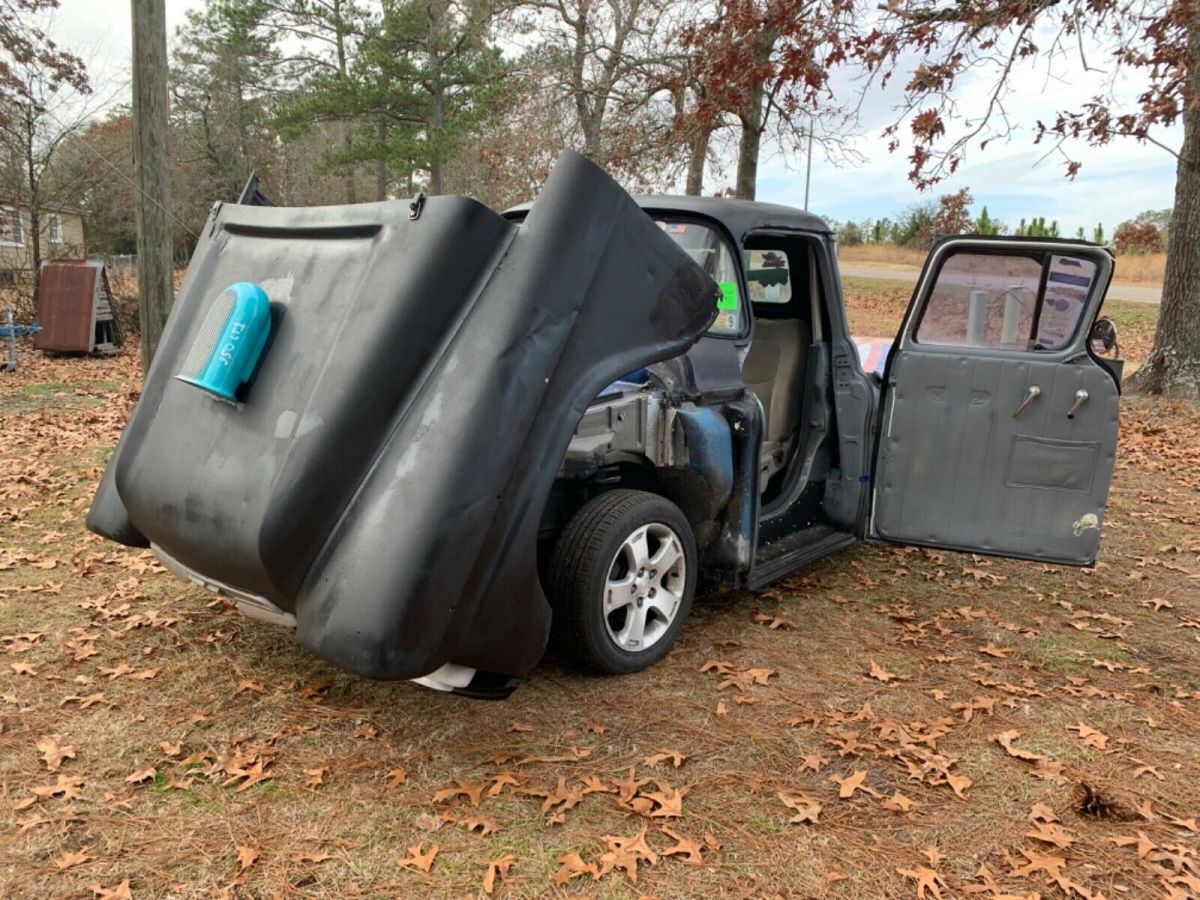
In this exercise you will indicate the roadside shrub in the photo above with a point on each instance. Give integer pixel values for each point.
(1136, 238)
(850, 235)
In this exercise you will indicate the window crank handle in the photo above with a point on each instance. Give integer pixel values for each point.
(1081, 397)
(1030, 395)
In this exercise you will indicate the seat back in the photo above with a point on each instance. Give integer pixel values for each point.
(773, 368)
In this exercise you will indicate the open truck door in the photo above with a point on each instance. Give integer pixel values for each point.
(998, 430)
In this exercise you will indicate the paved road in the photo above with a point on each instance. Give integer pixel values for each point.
(1135, 293)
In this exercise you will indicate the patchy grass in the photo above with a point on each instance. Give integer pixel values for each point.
(198, 735)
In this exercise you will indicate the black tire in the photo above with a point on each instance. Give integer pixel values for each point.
(585, 555)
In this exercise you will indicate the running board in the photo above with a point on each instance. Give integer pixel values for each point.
(795, 551)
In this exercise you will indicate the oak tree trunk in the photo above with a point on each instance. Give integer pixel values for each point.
(749, 145)
(1173, 366)
(697, 157)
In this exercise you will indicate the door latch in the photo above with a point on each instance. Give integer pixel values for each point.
(1030, 395)
(1081, 397)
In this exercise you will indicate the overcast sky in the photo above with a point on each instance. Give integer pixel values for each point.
(1115, 183)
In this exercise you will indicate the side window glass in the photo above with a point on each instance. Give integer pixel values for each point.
(768, 276)
(711, 252)
(1000, 302)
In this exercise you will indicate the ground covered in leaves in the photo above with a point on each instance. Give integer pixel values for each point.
(889, 723)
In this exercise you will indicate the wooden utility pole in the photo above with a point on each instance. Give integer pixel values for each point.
(155, 269)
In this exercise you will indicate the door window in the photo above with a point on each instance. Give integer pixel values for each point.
(1006, 302)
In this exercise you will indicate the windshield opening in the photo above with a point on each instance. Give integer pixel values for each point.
(711, 252)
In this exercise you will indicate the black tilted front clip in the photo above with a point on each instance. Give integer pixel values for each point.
(415, 206)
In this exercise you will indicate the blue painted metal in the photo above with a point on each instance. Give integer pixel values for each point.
(238, 345)
(12, 332)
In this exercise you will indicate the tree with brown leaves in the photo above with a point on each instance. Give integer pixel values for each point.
(1154, 42)
(768, 62)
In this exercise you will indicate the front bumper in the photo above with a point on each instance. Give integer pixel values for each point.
(449, 678)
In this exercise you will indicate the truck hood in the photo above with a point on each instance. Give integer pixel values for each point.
(382, 474)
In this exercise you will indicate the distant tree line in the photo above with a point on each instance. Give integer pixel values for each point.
(918, 224)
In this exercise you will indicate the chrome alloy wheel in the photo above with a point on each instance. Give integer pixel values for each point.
(645, 587)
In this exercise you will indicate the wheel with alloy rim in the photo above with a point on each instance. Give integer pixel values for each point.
(622, 579)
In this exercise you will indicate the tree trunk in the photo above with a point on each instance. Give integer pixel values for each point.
(1173, 366)
(436, 121)
(347, 126)
(348, 147)
(697, 157)
(749, 146)
(155, 263)
(381, 172)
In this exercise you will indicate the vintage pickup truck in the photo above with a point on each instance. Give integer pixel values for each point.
(433, 438)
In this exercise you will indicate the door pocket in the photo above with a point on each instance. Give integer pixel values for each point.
(1040, 462)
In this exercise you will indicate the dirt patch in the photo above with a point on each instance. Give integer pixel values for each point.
(886, 719)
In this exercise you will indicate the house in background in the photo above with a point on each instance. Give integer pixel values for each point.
(62, 238)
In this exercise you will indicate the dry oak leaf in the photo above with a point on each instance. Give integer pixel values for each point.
(674, 756)
(1040, 812)
(774, 622)
(501, 780)
(1006, 738)
(593, 785)
(170, 749)
(69, 858)
(744, 679)
(669, 801)
(419, 858)
(996, 652)
(252, 686)
(881, 674)
(1144, 844)
(1185, 824)
(562, 796)
(316, 777)
(813, 761)
(627, 789)
(497, 868)
(571, 865)
(461, 789)
(851, 783)
(120, 892)
(246, 857)
(480, 823)
(52, 753)
(1090, 736)
(927, 881)
(1037, 862)
(807, 809)
(395, 778)
(1050, 833)
(70, 787)
(625, 853)
(899, 803)
(685, 847)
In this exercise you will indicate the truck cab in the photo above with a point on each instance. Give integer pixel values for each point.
(988, 424)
